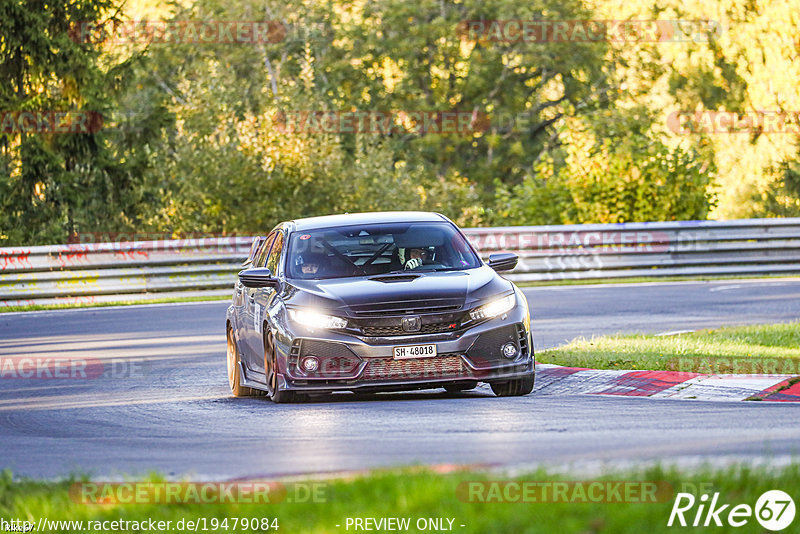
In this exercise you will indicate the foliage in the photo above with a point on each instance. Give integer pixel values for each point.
(611, 179)
(782, 197)
(562, 132)
(746, 63)
(53, 184)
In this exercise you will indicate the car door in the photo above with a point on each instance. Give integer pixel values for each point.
(258, 302)
(247, 317)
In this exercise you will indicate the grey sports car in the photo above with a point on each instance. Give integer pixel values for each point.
(384, 301)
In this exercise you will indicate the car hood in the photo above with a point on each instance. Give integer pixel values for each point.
(402, 293)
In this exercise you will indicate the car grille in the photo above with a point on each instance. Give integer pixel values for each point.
(443, 366)
(324, 349)
(336, 359)
(421, 307)
(433, 328)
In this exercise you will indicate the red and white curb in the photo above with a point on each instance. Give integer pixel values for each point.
(558, 380)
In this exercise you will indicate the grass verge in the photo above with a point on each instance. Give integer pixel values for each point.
(416, 494)
(758, 349)
(169, 300)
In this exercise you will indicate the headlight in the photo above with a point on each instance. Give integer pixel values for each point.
(494, 308)
(313, 319)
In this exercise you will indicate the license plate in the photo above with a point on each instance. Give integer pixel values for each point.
(414, 351)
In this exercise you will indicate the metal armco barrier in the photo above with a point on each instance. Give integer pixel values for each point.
(680, 248)
(138, 270)
(204, 267)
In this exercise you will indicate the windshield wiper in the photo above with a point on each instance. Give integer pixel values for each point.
(339, 255)
(412, 271)
(375, 256)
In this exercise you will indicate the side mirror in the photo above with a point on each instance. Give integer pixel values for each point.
(261, 277)
(505, 261)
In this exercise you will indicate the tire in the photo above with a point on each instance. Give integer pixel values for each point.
(515, 387)
(274, 391)
(234, 371)
(461, 386)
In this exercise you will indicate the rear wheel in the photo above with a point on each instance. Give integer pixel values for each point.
(234, 372)
(461, 386)
(274, 391)
(514, 387)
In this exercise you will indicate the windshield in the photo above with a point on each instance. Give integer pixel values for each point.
(376, 249)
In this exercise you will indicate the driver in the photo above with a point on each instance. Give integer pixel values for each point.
(415, 258)
(309, 264)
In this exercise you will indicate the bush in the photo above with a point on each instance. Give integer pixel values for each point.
(611, 180)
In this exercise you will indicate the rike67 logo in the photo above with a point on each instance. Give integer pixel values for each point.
(774, 510)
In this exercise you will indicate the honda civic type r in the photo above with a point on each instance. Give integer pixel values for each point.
(385, 301)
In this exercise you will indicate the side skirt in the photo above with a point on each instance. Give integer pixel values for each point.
(252, 383)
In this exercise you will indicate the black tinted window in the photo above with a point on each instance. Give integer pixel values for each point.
(255, 248)
(261, 255)
(275, 254)
(378, 249)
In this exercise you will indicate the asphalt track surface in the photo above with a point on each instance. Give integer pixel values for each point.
(170, 409)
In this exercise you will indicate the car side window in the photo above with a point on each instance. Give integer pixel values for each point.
(275, 254)
(254, 249)
(261, 255)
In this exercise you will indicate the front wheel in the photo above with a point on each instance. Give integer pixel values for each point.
(274, 391)
(235, 372)
(515, 387)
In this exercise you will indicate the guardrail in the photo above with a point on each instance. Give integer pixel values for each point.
(140, 270)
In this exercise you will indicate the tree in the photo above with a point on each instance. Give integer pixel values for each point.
(611, 179)
(52, 183)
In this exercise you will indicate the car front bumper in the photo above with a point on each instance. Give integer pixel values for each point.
(348, 362)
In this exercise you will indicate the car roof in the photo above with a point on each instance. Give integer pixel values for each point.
(347, 219)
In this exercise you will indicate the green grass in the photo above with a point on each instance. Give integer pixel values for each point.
(772, 348)
(39, 307)
(417, 493)
(649, 279)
